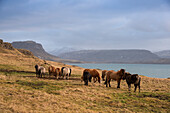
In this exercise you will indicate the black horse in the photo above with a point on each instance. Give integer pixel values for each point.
(133, 79)
(86, 77)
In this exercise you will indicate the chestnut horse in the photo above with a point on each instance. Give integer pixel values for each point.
(117, 76)
(94, 74)
(52, 71)
(104, 74)
(58, 72)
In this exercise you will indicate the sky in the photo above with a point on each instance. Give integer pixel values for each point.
(88, 24)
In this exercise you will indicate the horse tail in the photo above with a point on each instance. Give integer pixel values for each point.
(70, 72)
(62, 70)
(90, 78)
(105, 81)
(84, 75)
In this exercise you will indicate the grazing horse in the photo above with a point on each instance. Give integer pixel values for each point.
(133, 79)
(40, 70)
(104, 74)
(86, 77)
(66, 72)
(117, 76)
(52, 71)
(58, 72)
(94, 73)
(36, 70)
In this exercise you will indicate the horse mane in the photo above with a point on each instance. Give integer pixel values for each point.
(120, 72)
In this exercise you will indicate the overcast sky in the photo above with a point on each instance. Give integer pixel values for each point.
(88, 24)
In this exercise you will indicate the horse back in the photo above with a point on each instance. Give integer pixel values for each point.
(66, 70)
(109, 73)
(42, 69)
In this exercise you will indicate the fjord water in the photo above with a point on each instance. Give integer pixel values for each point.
(150, 70)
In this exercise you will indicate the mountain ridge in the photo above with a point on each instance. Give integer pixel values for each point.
(112, 56)
(38, 50)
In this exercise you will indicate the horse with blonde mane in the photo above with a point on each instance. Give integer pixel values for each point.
(66, 72)
(52, 71)
(58, 72)
(117, 76)
(40, 70)
(94, 74)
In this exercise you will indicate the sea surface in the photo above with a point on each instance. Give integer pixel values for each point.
(150, 70)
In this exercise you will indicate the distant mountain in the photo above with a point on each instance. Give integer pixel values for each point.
(62, 50)
(38, 50)
(112, 56)
(163, 54)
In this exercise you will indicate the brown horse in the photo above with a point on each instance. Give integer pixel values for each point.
(58, 72)
(104, 74)
(94, 74)
(52, 71)
(117, 76)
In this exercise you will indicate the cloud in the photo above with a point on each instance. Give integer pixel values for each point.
(86, 23)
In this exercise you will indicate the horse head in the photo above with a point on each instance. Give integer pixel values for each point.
(125, 75)
(122, 71)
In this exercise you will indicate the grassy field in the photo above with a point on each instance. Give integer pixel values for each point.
(23, 92)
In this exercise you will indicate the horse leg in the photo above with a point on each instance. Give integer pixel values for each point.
(56, 75)
(93, 79)
(106, 82)
(63, 76)
(118, 84)
(135, 87)
(86, 82)
(109, 82)
(129, 85)
(139, 84)
(67, 76)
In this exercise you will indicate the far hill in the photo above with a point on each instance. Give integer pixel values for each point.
(163, 54)
(38, 50)
(62, 50)
(112, 56)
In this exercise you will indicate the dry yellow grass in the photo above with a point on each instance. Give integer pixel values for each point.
(26, 93)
